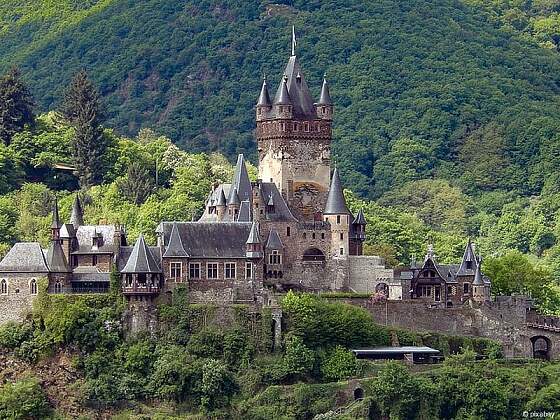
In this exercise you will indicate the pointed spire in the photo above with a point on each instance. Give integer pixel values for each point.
(221, 199)
(282, 96)
(478, 275)
(141, 259)
(254, 234)
(56, 260)
(55, 217)
(430, 255)
(264, 97)
(469, 262)
(175, 247)
(245, 214)
(77, 216)
(294, 42)
(241, 183)
(336, 203)
(360, 218)
(325, 98)
(234, 198)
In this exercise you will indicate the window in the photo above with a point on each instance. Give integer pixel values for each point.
(4, 287)
(229, 270)
(58, 287)
(469, 265)
(313, 235)
(304, 235)
(194, 270)
(288, 231)
(425, 291)
(338, 220)
(466, 288)
(33, 287)
(212, 271)
(175, 270)
(322, 236)
(94, 260)
(275, 257)
(341, 251)
(342, 236)
(249, 270)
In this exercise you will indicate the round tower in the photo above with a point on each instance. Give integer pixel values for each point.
(337, 214)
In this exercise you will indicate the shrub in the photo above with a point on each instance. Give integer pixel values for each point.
(23, 399)
(298, 359)
(339, 364)
(13, 334)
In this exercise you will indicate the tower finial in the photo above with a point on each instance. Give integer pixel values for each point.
(294, 43)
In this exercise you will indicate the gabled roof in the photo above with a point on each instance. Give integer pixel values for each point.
(264, 97)
(360, 219)
(141, 259)
(85, 234)
(299, 93)
(244, 214)
(210, 240)
(56, 260)
(281, 211)
(336, 203)
(325, 98)
(241, 182)
(274, 241)
(77, 216)
(175, 246)
(253, 237)
(24, 257)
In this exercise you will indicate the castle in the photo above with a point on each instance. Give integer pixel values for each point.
(291, 229)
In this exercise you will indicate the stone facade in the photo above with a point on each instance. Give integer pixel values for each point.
(17, 293)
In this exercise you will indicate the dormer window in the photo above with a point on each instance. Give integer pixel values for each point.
(469, 265)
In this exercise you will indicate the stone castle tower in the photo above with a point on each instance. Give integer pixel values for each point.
(294, 141)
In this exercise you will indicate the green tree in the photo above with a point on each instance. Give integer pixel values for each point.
(81, 108)
(298, 359)
(339, 364)
(23, 399)
(217, 385)
(138, 183)
(16, 105)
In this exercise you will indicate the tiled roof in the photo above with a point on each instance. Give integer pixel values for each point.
(141, 259)
(24, 257)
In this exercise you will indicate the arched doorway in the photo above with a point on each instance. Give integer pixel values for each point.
(541, 347)
(358, 393)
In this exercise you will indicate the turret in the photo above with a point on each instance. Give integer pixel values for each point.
(282, 103)
(233, 204)
(325, 104)
(264, 104)
(274, 251)
(337, 214)
(77, 216)
(221, 206)
(141, 276)
(358, 233)
(478, 284)
(55, 225)
(253, 245)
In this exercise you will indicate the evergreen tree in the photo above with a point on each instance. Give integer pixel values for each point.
(16, 105)
(82, 109)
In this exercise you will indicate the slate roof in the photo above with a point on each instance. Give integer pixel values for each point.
(336, 203)
(175, 246)
(210, 240)
(468, 255)
(126, 251)
(56, 260)
(89, 274)
(281, 210)
(274, 241)
(234, 197)
(264, 97)
(360, 219)
(77, 216)
(221, 198)
(299, 93)
(24, 257)
(325, 98)
(85, 234)
(244, 214)
(253, 237)
(141, 259)
(282, 96)
(67, 231)
(240, 181)
(478, 276)
(55, 217)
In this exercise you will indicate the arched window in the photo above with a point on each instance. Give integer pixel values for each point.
(4, 287)
(33, 287)
(58, 287)
(313, 254)
(466, 288)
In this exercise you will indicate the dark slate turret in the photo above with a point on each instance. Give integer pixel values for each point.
(175, 247)
(282, 96)
(241, 183)
(299, 93)
(469, 263)
(56, 260)
(478, 281)
(141, 259)
(325, 98)
(55, 225)
(77, 216)
(336, 203)
(264, 98)
(360, 218)
(254, 244)
(221, 199)
(234, 198)
(245, 214)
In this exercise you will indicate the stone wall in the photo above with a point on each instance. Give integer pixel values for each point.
(366, 272)
(18, 301)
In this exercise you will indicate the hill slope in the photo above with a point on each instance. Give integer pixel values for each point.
(423, 88)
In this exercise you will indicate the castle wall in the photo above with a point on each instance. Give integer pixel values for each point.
(366, 272)
(18, 301)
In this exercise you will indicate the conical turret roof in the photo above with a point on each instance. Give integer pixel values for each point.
(468, 256)
(56, 260)
(77, 216)
(478, 275)
(325, 98)
(245, 214)
(221, 198)
(274, 241)
(336, 203)
(282, 96)
(264, 97)
(254, 234)
(360, 219)
(55, 217)
(300, 95)
(241, 182)
(141, 259)
(234, 197)
(175, 247)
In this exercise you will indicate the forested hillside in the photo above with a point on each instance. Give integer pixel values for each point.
(425, 86)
